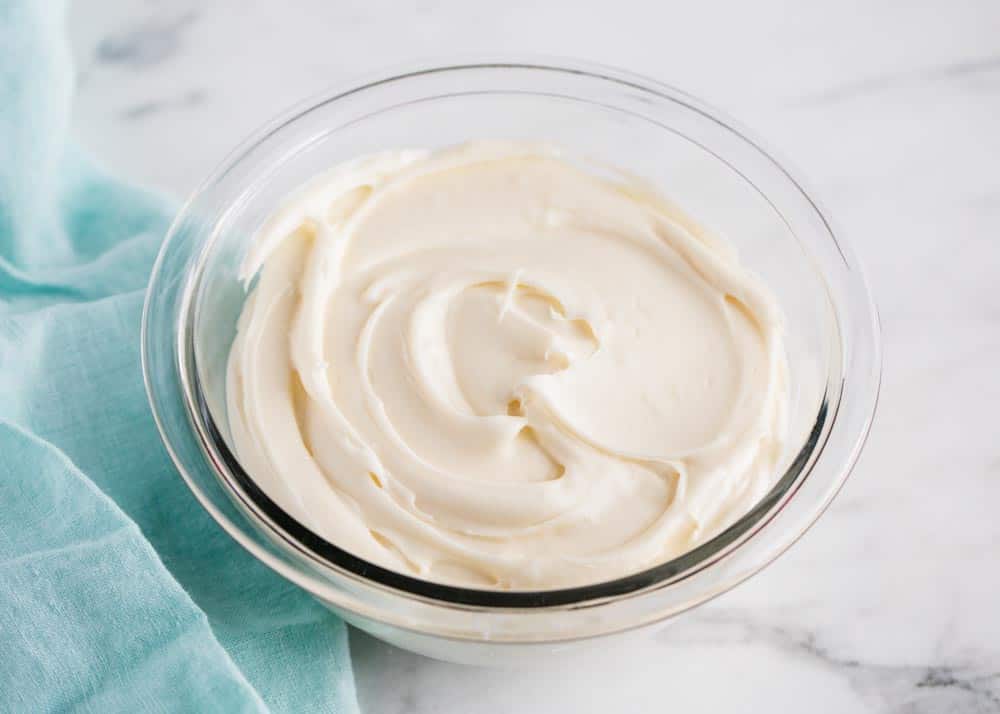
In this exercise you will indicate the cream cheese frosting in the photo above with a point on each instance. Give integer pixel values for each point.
(493, 367)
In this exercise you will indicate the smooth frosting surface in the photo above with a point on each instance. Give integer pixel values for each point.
(489, 366)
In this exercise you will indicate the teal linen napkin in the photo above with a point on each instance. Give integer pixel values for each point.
(117, 592)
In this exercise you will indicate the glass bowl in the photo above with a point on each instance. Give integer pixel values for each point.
(697, 159)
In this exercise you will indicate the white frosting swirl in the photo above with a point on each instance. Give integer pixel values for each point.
(487, 366)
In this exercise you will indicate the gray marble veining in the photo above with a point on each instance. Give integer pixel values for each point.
(144, 109)
(880, 83)
(147, 43)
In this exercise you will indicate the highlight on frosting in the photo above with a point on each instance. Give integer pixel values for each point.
(489, 366)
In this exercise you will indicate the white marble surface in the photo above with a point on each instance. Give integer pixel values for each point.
(891, 110)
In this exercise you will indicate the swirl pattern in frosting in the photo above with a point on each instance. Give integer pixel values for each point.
(489, 366)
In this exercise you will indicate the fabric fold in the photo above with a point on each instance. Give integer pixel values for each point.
(117, 591)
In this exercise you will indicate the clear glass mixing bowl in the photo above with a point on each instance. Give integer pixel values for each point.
(696, 158)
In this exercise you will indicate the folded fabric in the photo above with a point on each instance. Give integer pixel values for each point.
(117, 591)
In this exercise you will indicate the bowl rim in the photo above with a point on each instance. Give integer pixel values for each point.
(335, 559)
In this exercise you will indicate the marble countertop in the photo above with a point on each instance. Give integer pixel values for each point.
(891, 111)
